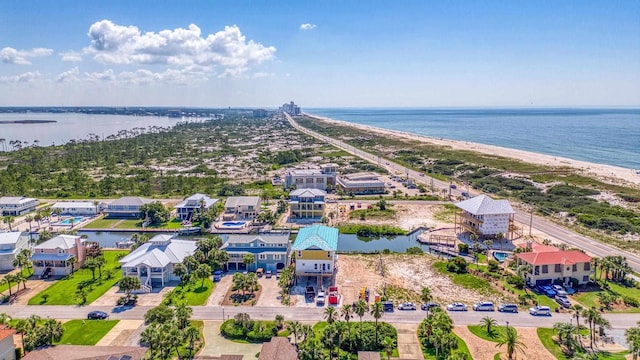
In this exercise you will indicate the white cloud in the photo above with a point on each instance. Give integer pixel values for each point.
(227, 49)
(104, 76)
(70, 75)
(307, 26)
(71, 56)
(22, 78)
(261, 74)
(9, 55)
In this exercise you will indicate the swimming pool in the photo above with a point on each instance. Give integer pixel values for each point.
(500, 256)
(232, 225)
(75, 220)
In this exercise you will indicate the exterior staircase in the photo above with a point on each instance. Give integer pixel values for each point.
(146, 285)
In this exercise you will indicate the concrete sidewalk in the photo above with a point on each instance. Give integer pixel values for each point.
(408, 343)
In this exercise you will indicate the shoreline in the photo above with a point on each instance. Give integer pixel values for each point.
(607, 173)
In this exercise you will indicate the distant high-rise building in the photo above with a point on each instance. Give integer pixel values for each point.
(259, 113)
(290, 108)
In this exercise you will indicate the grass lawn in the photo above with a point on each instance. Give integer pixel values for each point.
(101, 223)
(4, 287)
(372, 213)
(497, 332)
(467, 281)
(129, 224)
(63, 291)
(590, 298)
(85, 332)
(192, 293)
(430, 354)
(542, 300)
(546, 337)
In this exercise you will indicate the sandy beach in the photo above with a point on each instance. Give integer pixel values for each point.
(608, 173)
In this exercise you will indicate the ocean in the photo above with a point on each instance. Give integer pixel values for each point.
(603, 136)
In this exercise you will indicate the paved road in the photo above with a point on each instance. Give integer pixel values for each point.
(523, 319)
(540, 224)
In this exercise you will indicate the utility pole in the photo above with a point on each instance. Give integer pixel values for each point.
(531, 221)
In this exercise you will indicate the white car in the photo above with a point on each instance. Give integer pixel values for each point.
(457, 307)
(320, 298)
(540, 311)
(407, 306)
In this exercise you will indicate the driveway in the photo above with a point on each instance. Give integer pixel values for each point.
(270, 295)
(154, 298)
(122, 334)
(408, 343)
(218, 293)
(216, 345)
(34, 287)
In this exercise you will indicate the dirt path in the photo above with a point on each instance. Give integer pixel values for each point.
(535, 350)
(479, 349)
(408, 343)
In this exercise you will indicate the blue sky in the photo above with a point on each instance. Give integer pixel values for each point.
(320, 53)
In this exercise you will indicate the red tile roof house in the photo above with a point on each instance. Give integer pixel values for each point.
(549, 263)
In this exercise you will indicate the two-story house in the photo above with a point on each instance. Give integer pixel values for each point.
(323, 178)
(241, 208)
(361, 183)
(307, 203)
(154, 260)
(126, 207)
(86, 208)
(270, 251)
(59, 256)
(194, 202)
(314, 251)
(548, 263)
(485, 217)
(16, 205)
(11, 243)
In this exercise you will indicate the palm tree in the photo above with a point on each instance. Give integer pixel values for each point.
(388, 344)
(577, 309)
(361, 309)
(567, 337)
(377, 310)
(53, 330)
(593, 318)
(347, 314)
(22, 327)
(632, 336)
(426, 297)
(488, 244)
(488, 324)
(330, 314)
(8, 220)
(191, 335)
(499, 237)
(512, 341)
(295, 328)
(8, 279)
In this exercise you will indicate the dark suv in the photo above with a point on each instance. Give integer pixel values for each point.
(508, 308)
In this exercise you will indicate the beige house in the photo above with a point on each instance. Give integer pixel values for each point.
(59, 256)
(549, 263)
(361, 183)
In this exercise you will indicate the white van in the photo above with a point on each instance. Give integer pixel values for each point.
(540, 311)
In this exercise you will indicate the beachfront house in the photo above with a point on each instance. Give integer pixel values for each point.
(154, 260)
(549, 263)
(199, 202)
(241, 208)
(307, 203)
(126, 207)
(17, 205)
(323, 178)
(77, 208)
(485, 217)
(270, 251)
(59, 256)
(315, 251)
(362, 183)
(11, 243)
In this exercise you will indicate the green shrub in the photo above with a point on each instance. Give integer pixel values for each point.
(516, 281)
(463, 248)
(631, 301)
(414, 250)
(457, 265)
(493, 265)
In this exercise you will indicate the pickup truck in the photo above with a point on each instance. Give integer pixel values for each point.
(320, 299)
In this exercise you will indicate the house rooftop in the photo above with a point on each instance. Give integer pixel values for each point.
(307, 193)
(236, 201)
(9, 238)
(79, 352)
(160, 251)
(5, 333)
(197, 198)
(304, 172)
(484, 205)
(74, 204)
(130, 201)
(551, 258)
(368, 355)
(536, 247)
(317, 237)
(14, 200)
(279, 348)
(278, 238)
(65, 242)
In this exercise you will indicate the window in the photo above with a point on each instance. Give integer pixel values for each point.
(262, 245)
(315, 266)
(299, 253)
(277, 257)
(328, 266)
(587, 266)
(558, 268)
(60, 251)
(309, 181)
(545, 269)
(585, 278)
(262, 257)
(319, 180)
(575, 267)
(329, 254)
(537, 270)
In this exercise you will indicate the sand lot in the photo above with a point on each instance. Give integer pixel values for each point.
(485, 350)
(404, 271)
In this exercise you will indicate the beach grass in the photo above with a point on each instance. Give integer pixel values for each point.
(62, 292)
(467, 281)
(85, 332)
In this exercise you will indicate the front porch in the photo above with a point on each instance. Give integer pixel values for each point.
(60, 264)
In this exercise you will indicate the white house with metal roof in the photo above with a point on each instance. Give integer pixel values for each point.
(194, 202)
(11, 243)
(154, 260)
(485, 217)
(17, 205)
(361, 183)
(322, 178)
(126, 207)
(315, 251)
(307, 203)
(241, 207)
(87, 208)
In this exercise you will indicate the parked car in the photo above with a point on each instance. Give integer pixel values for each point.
(268, 274)
(217, 275)
(278, 273)
(407, 306)
(483, 306)
(320, 298)
(557, 287)
(429, 306)
(561, 293)
(540, 311)
(570, 291)
(548, 290)
(453, 186)
(457, 307)
(508, 308)
(563, 301)
(387, 306)
(97, 315)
